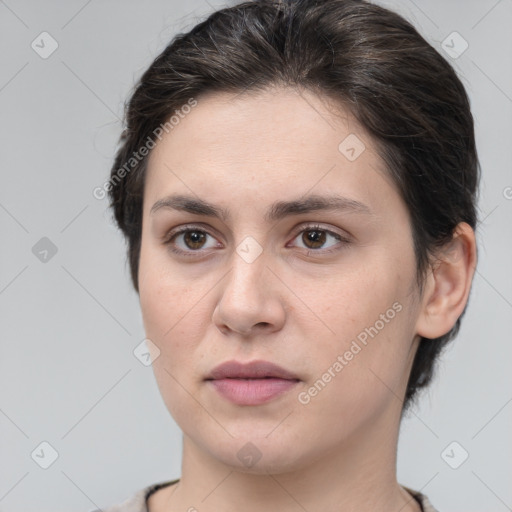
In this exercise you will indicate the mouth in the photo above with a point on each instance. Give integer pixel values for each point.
(251, 383)
(252, 370)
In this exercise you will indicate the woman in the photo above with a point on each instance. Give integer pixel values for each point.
(297, 186)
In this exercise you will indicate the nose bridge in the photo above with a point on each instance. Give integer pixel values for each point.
(248, 297)
(248, 276)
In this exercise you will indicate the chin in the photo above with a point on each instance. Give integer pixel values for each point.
(260, 455)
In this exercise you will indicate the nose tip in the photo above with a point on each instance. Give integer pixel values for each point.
(248, 302)
(242, 323)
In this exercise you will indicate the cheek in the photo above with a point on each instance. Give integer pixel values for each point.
(357, 297)
(172, 324)
(163, 292)
(372, 316)
(175, 313)
(172, 315)
(353, 381)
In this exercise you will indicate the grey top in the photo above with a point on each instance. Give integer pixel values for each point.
(138, 501)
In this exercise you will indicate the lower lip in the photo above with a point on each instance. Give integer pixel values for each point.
(252, 391)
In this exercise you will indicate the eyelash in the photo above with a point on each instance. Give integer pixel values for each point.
(197, 253)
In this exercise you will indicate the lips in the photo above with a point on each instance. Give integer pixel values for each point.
(250, 384)
(252, 370)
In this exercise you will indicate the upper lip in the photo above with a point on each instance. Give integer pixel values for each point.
(251, 370)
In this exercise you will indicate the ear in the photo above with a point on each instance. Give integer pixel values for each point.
(447, 285)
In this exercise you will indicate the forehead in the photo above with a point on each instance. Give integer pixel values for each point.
(265, 145)
(285, 120)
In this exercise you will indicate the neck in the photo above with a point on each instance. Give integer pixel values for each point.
(359, 475)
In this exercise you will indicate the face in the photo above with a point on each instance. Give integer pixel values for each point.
(326, 293)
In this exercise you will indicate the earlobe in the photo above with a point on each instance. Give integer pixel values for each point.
(448, 284)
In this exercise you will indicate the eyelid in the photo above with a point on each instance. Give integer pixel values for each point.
(170, 235)
(308, 226)
(311, 226)
(190, 227)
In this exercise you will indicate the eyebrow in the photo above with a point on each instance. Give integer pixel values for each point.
(278, 210)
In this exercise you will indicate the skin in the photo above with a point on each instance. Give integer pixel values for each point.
(295, 305)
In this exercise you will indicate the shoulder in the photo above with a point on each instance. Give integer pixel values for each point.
(424, 501)
(137, 501)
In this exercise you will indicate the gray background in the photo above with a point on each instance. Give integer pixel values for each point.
(69, 325)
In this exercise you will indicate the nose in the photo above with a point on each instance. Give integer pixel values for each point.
(250, 299)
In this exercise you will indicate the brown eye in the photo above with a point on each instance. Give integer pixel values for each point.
(191, 241)
(314, 238)
(317, 239)
(194, 239)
